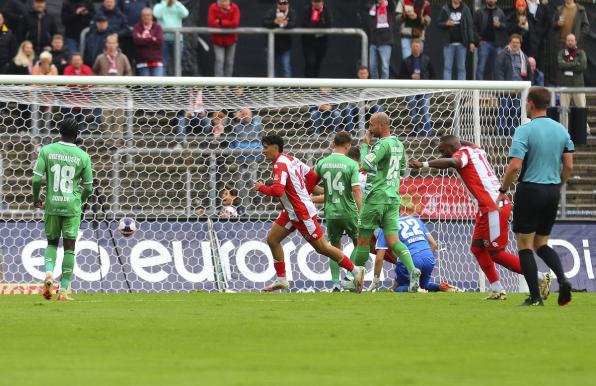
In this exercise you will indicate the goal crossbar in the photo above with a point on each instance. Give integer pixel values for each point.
(264, 82)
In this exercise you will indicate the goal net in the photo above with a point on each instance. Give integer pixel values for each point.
(181, 155)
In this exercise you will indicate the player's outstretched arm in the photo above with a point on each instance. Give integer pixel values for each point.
(513, 168)
(377, 270)
(432, 242)
(439, 163)
(38, 173)
(380, 253)
(567, 167)
(371, 160)
(318, 194)
(87, 191)
(311, 179)
(318, 190)
(318, 199)
(87, 177)
(357, 193)
(36, 189)
(275, 190)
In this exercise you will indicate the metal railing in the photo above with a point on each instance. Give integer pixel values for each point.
(270, 32)
(554, 91)
(564, 111)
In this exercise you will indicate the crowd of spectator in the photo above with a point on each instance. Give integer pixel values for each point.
(120, 35)
(534, 41)
(542, 28)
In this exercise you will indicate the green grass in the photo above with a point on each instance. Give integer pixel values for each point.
(296, 339)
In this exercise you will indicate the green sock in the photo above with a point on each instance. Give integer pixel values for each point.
(334, 267)
(402, 252)
(67, 266)
(49, 257)
(360, 255)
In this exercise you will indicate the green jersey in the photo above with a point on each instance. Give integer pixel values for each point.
(385, 164)
(64, 165)
(339, 173)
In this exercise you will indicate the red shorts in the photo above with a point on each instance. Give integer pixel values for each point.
(309, 229)
(500, 227)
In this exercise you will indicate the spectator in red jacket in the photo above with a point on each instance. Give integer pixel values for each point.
(148, 40)
(224, 14)
(79, 96)
(77, 67)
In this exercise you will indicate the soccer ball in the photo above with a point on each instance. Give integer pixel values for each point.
(228, 211)
(127, 227)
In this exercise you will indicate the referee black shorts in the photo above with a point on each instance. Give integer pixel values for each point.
(535, 208)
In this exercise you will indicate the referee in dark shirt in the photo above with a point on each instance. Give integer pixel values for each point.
(543, 150)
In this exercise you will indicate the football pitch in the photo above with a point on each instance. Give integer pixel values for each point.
(296, 339)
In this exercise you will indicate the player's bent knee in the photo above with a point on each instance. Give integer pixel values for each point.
(321, 246)
(363, 241)
(540, 241)
(69, 244)
(271, 241)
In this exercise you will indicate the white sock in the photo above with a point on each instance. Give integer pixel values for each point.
(376, 279)
(496, 286)
(540, 275)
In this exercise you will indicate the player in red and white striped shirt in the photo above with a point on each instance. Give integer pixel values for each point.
(292, 182)
(491, 232)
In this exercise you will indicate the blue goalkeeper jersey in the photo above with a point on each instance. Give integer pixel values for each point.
(412, 232)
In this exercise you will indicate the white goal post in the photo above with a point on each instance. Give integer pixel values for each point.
(180, 156)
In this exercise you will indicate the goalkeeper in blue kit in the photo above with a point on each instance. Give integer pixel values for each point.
(421, 244)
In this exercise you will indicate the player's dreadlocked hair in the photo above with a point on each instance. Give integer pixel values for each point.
(69, 128)
(273, 139)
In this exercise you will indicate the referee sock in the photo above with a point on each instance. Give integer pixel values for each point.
(486, 263)
(49, 258)
(67, 266)
(551, 258)
(530, 271)
(401, 251)
(507, 260)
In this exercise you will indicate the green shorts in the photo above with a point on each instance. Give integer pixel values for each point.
(67, 226)
(338, 227)
(373, 216)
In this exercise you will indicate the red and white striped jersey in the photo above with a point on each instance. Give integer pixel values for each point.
(478, 176)
(290, 172)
